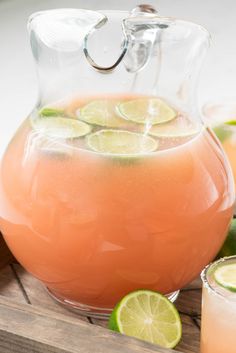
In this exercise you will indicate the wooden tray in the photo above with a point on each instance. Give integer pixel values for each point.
(30, 321)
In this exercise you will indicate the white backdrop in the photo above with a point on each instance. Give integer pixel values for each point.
(18, 85)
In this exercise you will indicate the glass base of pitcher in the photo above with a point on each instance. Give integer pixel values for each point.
(93, 311)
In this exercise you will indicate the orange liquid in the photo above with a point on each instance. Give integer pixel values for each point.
(94, 228)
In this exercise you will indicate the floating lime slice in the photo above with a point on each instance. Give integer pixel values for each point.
(51, 112)
(225, 276)
(146, 110)
(149, 316)
(101, 113)
(64, 128)
(121, 142)
(180, 127)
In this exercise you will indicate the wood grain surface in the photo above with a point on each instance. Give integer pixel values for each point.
(30, 321)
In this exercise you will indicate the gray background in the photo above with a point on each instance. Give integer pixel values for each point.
(18, 83)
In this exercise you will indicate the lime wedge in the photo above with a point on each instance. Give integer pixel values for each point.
(64, 128)
(180, 127)
(146, 110)
(121, 142)
(225, 276)
(101, 113)
(149, 316)
(231, 122)
(51, 112)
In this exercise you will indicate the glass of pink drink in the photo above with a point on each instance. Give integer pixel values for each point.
(221, 116)
(113, 183)
(218, 311)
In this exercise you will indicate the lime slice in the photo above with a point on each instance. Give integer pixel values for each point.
(121, 142)
(149, 316)
(231, 122)
(101, 113)
(225, 276)
(64, 128)
(180, 127)
(51, 112)
(146, 110)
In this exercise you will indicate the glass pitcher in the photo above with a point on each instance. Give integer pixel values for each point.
(113, 183)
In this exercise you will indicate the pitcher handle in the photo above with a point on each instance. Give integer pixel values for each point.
(144, 8)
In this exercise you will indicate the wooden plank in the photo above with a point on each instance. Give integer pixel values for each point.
(189, 301)
(190, 341)
(37, 294)
(17, 284)
(9, 286)
(26, 328)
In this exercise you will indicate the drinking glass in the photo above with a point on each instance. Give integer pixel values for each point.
(218, 312)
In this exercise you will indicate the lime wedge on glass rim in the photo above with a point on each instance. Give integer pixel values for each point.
(59, 127)
(101, 113)
(120, 142)
(149, 316)
(225, 276)
(146, 110)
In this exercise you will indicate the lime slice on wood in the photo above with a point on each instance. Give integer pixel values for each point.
(225, 276)
(146, 110)
(149, 316)
(121, 142)
(64, 128)
(180, 127)
(101, 113)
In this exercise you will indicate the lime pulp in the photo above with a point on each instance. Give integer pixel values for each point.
(101, 113)
(121, 142)
(146, 111)
(225, 276)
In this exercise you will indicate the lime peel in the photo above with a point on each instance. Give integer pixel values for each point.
(225, 276)
(149, 316)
